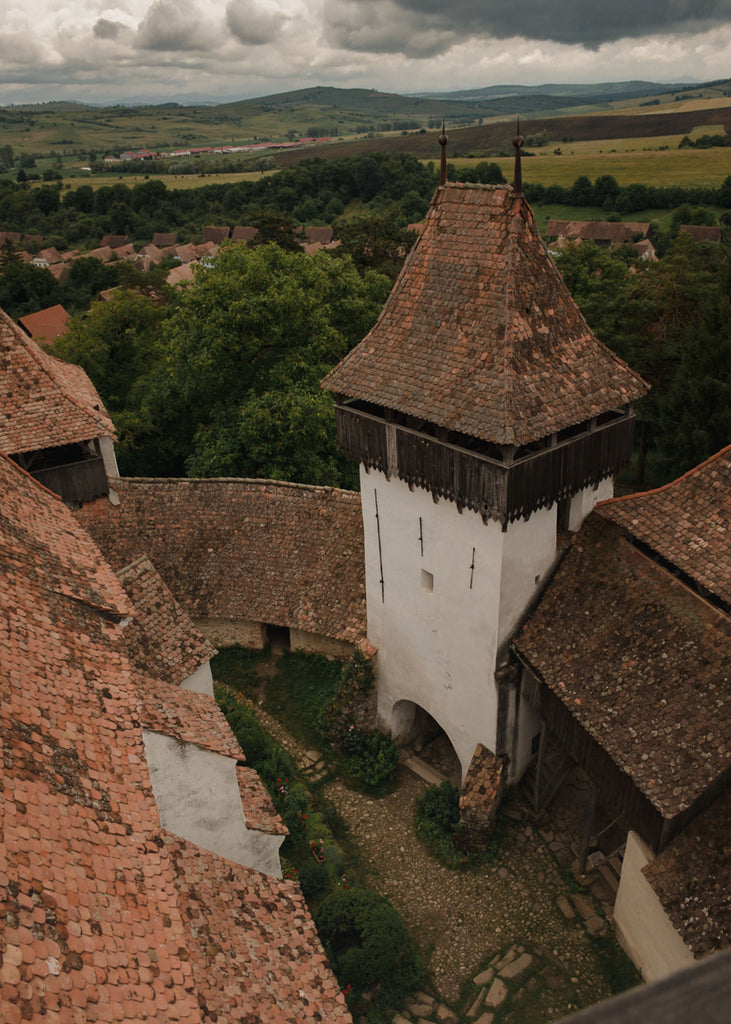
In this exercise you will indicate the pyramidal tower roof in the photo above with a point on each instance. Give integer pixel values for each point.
(480, 334)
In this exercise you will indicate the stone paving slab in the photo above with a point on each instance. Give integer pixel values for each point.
(517, 966)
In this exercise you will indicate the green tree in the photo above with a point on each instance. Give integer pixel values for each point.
(246, 350)
(118, 343)
(368, 946)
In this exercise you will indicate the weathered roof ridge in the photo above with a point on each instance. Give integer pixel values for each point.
(237, 480)
(686, 522)
(619, 499)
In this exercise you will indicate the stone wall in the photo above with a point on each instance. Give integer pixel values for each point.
(228, 632)
(482, 794)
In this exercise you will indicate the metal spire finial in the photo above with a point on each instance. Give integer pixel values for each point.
(443, 140)
(518, 174)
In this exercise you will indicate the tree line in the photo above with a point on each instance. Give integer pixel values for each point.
(313, 191)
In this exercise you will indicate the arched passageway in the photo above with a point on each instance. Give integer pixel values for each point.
(415, 728)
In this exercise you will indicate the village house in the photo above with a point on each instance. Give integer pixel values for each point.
(52, 421)
(605, 233)
(45, 326)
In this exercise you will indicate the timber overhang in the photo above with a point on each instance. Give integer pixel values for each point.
(504, 483)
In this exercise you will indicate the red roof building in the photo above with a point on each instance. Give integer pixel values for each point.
(481, 348)
(46, 325)
(52, 421)
(105, 912)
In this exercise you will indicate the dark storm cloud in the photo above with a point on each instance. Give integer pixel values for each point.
(389, 24)
(173, 25)
(104, 29)
(251, 24)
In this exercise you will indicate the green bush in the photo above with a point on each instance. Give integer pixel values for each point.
(314, 878)
(368, 945)
(262, 753)
(437, 818)
(294, 813)
(374, 759)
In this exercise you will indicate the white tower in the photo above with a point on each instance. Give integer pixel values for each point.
(487, 419)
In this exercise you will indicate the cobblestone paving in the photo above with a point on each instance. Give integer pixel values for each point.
(520, 909)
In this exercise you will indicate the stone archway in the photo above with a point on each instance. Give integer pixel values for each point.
(415, 728)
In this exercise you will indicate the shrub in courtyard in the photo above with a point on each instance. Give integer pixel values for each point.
(314, 878)
(373, 758)
(368, 945)
(437, 818)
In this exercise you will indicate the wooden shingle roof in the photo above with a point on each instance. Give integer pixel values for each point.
(286, 554)
(640, 661)
(686, 522)
(480, 334)
(44, 402)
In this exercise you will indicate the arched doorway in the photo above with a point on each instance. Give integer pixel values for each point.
(414, 728)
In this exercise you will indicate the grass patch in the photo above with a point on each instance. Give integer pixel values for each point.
(300, 691)
(236, 667)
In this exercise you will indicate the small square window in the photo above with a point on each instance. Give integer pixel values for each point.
(427, 581)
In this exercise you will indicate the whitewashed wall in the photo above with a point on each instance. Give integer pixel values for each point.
(642, 926)
(445, 611)
(198, 797)
(201, 681)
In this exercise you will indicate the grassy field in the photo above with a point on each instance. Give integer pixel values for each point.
(650, 166)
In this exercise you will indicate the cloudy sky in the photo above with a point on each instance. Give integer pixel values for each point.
(109, 51)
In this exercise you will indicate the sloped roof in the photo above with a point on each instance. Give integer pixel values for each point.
(254, 950)
(188, 716)
(692, 879)
(99, 906)
(480, 334)
(702, 232)
(641, 662)
(161, 639)
(44, 402)
(614, 232)
(286, 554)
(686, 522)
(46, 324)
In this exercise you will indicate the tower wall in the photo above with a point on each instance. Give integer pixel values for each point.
(452, 587)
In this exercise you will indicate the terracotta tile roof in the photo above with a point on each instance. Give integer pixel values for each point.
(161, 639)
(217, 235)
(103, 253)
(258, 806)
(161, 239)
(115, 241)
(614, 232)
(46, 324)
(44, 402)
(188, 716)
(254, 950)
(286, 554)
(244, 233)
(692, 879)
(99, 908)
(85, 891)
(480, 334)
(701, 233)
(181, 274)
(640, 661)
(686, 522)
